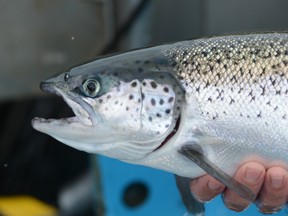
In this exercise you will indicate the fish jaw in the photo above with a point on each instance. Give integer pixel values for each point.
(86, 131)
(73, 130)
(82, 110)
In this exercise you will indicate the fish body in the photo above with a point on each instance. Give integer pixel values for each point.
(226, 96)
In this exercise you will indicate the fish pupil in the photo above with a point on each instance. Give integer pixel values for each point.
(91, 87)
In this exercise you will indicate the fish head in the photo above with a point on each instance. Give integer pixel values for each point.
(125, 107)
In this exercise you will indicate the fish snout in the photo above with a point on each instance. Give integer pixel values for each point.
(48, 87)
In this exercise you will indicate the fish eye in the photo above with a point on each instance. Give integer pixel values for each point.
(91, 87)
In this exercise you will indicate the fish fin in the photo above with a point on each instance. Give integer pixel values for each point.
(195, 153)
(194, 207)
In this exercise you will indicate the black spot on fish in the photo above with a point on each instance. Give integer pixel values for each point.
(137, 61)
(134, 84)
(115, 74)
(127, 108)
(278, 53)
(144, 83)
(109, 96)
(232, 101)
(142, 96)
(153, 84)
(166, 89)
(263, 90)
(167, 126)
(146, 62)
(150, 119)
(116, 102)
(215, 117)
(153, 102)
(271, 45)
(139, 100)
(253, 98)
(167, 111)
(204, 53)
(140, 70)
(131, 97)
(161, 102)
(158, 115)
(161, 77)
(170, 100)
(100, 101)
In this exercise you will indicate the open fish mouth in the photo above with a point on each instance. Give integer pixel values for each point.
(84, 112)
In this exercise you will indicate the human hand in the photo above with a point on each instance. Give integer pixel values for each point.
(270, 186)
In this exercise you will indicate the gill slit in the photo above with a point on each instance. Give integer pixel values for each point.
(141, 105)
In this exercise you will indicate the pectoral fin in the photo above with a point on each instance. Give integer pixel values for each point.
(194, 153)
(193, 206)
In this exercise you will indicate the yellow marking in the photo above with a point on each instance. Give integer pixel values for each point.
(24, 206)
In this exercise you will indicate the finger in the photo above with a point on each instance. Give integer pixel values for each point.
(206, 188)
(273, 196)
(252, 175)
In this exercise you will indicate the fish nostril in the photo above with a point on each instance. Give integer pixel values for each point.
(135, 194)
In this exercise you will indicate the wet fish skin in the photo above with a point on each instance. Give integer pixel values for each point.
(230, 94)
(239, 88)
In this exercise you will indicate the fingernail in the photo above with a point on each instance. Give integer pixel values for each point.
(268, 209)
(200, 199)
(235, 206)
(252, 175)
(214, 186)
(277, 181)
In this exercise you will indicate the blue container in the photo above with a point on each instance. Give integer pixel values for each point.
(162, 194)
